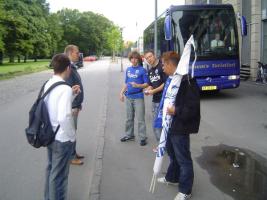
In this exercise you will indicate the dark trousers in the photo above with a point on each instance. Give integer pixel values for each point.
(181, 165)
(75, 119)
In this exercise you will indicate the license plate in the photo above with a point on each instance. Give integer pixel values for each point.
(210, 87)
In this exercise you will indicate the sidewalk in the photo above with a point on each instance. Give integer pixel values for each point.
(124, 170)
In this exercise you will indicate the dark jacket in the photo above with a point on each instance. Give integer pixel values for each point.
(187, 107)
(75, 79)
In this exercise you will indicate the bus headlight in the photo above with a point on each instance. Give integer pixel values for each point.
(233, 77)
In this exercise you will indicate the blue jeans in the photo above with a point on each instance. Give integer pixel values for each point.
(59, 154)
(181, 165)
(135, 107)
(157, 131)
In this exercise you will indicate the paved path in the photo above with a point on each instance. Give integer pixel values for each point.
(232, 117)
(22, 167)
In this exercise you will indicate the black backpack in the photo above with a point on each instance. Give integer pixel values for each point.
(40, 132)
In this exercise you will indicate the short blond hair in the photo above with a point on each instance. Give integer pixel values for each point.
(70, 48)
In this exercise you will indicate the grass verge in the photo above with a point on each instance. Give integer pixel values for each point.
(10, 70)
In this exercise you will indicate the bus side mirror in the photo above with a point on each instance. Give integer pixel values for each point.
(243, 24)
(168, 28)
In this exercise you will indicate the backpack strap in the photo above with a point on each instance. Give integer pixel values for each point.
(58, 126)
(51, 88)
(41, 91)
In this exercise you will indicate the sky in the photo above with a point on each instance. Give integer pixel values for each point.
(132, 15)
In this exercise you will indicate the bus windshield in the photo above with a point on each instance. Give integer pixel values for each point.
(214, 32)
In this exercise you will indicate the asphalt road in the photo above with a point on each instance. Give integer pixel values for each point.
(22, 167)
(236, 118)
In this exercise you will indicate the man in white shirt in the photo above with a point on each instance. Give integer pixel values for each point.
(217, 42)
(59, 102)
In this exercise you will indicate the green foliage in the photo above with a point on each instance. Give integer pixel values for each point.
(86, 30)
(2, 26)
(28, 30)
(114, 39)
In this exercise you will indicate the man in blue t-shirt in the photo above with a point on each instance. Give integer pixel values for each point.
(135, 81)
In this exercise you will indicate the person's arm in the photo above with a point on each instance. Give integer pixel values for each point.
(65, 119)
(156, 90)
(124, 88)
(149, 88)
(137, 85)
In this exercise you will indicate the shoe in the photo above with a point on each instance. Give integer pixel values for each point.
(164, 181)
(127, 138)
(76, 161)
(79, 156)
(143, 142)
(182, 196)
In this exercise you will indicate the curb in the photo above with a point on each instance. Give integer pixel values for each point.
(94, 190)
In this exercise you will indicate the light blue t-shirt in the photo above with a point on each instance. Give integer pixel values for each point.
(138, 75)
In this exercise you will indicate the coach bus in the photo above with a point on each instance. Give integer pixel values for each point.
(216, 39)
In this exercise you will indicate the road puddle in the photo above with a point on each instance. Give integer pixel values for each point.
(237, 172)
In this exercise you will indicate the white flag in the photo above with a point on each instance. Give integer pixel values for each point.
(169, 100)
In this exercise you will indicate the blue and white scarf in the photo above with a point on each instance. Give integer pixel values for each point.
(169, 100)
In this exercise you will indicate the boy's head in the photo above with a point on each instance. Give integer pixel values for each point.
(135, 58)
(150, 57)
(170, 61)
(61, 65)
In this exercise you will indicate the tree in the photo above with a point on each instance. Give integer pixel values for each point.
(56, 33)
(2, 31)
(114, 40)
(27, 29)
(67, 19)
(86, 30)
(41, 37)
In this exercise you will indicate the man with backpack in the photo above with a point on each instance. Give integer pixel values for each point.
(59, 105)
(72, 51)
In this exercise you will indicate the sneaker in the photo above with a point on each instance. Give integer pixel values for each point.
(127, 138)
(143, 142)
(182, 196)
(164, 181)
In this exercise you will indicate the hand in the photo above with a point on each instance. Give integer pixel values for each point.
(121, 97)
(148, 92)
(171, 110)
(135, 85)
(76, 89)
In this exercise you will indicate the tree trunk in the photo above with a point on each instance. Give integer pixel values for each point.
(25, 59)
(18, 59)
(113, 56)
(11, 59)
(35, 59)
(1, 58)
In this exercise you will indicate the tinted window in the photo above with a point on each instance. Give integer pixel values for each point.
(214, 32)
